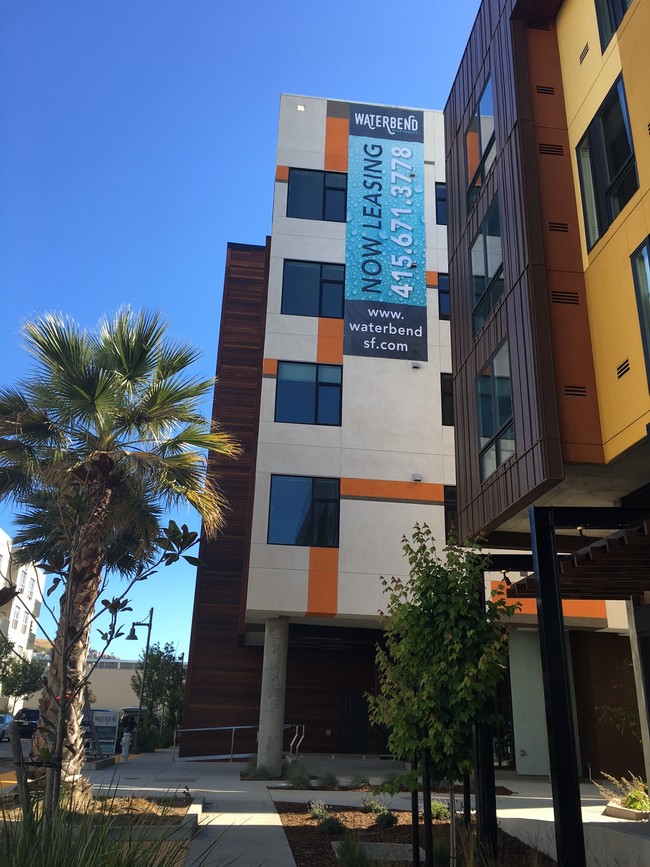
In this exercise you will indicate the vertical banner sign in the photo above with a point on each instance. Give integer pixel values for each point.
(385, 276)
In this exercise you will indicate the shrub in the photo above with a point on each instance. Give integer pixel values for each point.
(439, 810)
(352, 854)
(332, 825)
(328, 780)
(254, 771)
(373, 804)
(90, 839)
(632, 793)
(358, 781)
(318, 810)
(386, 819)
(297, 776)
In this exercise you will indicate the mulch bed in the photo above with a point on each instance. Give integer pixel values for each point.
(311, 846)
(123, 811)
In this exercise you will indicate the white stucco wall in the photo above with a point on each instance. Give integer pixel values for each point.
(391, 414)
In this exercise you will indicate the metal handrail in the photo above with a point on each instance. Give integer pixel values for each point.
(299, 736)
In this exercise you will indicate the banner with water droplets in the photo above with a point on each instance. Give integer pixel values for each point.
(385, 247)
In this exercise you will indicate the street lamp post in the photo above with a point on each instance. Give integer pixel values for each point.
(133, 637)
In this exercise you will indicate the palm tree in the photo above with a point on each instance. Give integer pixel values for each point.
(105, 435)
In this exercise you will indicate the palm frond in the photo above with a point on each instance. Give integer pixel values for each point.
(130, 344)
(196, 437)
(58, 344)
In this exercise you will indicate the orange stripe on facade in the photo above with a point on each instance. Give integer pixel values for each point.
(590, 608)
(270, 367)
(330, 341)
(379, 489)
(282, 173)
(431, 278)
(336, 144)
(323, 588)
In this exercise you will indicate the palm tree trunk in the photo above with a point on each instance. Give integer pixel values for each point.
(59, 738)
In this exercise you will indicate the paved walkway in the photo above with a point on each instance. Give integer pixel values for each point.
(241, 823)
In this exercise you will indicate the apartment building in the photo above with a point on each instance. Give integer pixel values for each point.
(548, 172)
(19, 616)
(334, 371)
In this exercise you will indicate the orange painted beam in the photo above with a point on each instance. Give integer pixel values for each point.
(431, 278)
(323, 587)
(270, 367)
(282, 173)
(336, 144)
(390, 491)
(330, 341)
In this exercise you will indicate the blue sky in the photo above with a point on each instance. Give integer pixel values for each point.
(137, 137)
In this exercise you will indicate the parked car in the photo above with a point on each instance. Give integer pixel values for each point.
(27, 719)
(5, 719)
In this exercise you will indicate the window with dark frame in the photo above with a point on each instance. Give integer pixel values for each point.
(486, 267)
(447, 398)
(317, 195)
(641, 271)
(444, 301)
(610, 13)
(451, 511)
(308, 393)
(606, 165)
(304, 511)
(494, 411)
(480, 149)
(441, 204)
(313, 289)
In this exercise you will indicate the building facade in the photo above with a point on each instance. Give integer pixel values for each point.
(19, 616)
(335, 373)
(548, 173)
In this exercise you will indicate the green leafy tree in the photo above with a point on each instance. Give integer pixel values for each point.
(163, 688)
(444, 653)
(104, 436)
(23, 678)
(6, 657)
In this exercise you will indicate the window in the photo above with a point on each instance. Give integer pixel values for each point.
(447, 398)
(441, 204)
(304, 511)
(451, 511)
(308, 393)
(314, 195)
(23, 627)
(606, 165)
(641, 269)
(444, 306)
(480, 149)
(494, 407)
(30, 590)
(486, 266)
(22, 577)
(14, 617)
(610, 14)
(313, 289)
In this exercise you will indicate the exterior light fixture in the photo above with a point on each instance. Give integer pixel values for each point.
(133, 637)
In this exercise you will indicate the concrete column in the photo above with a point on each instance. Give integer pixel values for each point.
(274, 681)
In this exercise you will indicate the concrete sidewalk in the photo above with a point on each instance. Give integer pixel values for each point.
(241, 822)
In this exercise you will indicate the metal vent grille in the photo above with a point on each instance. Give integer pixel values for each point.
(623, 368)
(558, 227)
(585, 52)
(575, 390)
(543, 88)
(565, 298)
(538, 25)
(552, 150)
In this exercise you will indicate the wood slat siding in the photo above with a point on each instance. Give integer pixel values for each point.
(496, 48)
(223, 676)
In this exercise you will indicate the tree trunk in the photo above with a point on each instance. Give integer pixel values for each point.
(59, 738)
